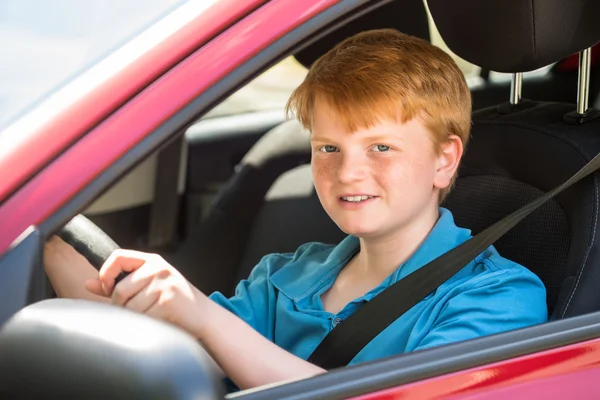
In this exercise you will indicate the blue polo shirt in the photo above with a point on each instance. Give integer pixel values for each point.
(281, 299)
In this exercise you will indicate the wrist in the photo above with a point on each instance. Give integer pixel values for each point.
(205, 310)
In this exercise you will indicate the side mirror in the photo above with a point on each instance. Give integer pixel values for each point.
(62, 349)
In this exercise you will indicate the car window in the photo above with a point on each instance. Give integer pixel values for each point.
(45, 43)
(269, 91)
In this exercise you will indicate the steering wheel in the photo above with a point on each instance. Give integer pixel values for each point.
(89, 240)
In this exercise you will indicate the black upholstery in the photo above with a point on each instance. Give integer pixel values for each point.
(516, 35)
(474, 204)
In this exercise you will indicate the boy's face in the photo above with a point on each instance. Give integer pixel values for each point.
(375, 181)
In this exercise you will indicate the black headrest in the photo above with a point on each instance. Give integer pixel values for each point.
(406, 16)
(516, 35)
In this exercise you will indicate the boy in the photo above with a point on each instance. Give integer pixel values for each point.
(389, 117)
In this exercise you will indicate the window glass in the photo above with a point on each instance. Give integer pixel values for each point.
(47, 42)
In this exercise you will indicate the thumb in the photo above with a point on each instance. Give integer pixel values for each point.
(94, 286)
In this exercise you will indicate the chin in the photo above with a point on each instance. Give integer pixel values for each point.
(358, 229)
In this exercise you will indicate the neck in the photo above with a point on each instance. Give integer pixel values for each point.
(380, 256)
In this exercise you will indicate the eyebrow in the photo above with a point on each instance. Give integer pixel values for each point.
(367, 138)
(382, 137)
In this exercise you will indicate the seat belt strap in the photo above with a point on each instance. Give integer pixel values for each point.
(164, 212)
(346, 340)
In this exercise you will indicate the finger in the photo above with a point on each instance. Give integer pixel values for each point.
(153, 269)
(144, 299)
(94, 286)
(120, 261)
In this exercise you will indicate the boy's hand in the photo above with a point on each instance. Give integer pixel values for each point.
(153, 288)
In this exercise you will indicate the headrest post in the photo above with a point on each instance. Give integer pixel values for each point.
(516, 86)
(583, 84)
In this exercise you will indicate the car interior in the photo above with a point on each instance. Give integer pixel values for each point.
(237, 187)
(244, 178)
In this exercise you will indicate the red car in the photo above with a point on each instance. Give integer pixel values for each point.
(132, 143)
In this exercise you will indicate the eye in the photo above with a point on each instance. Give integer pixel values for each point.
(380, 148)
(328, 149)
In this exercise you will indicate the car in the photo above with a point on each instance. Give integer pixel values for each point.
(131, 143)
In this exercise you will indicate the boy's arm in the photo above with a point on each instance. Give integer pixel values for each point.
(239, 331)
(68, 271)
(247, 357)
(157, 289)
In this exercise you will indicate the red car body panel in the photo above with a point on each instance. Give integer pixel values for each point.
(122, 111)
(37, 145)
(561, 373)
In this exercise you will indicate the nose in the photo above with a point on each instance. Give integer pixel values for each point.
(352, 168)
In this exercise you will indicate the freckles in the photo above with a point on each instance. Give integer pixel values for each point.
(398, 174)
(384, 170)
(323, 170)
(324, 174)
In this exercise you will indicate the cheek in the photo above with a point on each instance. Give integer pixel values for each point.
(323, 171)
(401, 174)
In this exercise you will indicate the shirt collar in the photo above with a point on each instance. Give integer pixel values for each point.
(444, 236)
(306, 273)
(303, 276)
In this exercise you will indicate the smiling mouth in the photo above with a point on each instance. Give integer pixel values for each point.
(356, 199)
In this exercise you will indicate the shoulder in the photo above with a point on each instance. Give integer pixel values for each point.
(491, 295)
(492, 268)
(497, 283)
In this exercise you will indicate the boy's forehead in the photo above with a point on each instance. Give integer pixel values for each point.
(326, 119)
(350, 117)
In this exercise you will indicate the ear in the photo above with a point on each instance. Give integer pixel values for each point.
(448, 160)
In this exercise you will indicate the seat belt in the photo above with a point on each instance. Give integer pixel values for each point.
(349, 337)
(164, 211)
